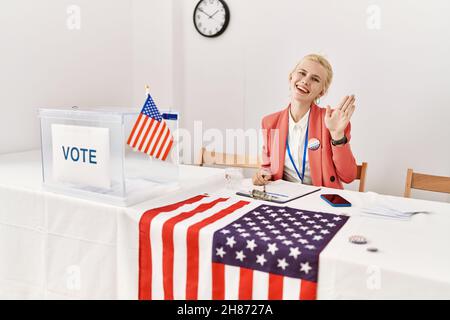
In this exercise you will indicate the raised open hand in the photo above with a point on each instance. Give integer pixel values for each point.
(337, 120)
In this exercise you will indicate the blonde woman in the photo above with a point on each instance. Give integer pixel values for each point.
(303, 142)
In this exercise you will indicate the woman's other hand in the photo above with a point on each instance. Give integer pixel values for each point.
(262, 177)
(337, 120)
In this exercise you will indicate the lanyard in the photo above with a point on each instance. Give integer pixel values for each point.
(302, 176)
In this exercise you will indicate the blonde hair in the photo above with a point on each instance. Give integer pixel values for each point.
(324, 63)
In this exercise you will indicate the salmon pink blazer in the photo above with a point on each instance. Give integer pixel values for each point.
(330, 165)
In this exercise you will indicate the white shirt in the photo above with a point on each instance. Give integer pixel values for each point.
(296, 140)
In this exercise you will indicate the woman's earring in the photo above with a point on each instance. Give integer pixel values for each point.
(317, 101)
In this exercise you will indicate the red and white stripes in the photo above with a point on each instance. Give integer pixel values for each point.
(151, 136)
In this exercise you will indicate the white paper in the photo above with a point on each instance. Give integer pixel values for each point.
(81, 155)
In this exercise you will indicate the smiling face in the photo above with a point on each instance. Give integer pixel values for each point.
(307, 81)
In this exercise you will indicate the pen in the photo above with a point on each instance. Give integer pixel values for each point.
(277, 194)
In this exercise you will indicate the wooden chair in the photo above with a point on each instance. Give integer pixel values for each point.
(213, 158)
(425, 182)
(361, 176)
(244, 161)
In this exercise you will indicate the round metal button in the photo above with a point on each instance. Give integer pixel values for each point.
(313, 144)
(358, 239)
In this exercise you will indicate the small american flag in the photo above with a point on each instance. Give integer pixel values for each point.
(150, 133)
(208, 247)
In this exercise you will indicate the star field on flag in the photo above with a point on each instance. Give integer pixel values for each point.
(279, 240)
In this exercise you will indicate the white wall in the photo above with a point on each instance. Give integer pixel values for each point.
(399, 74)
(152, 48)
(43, 63)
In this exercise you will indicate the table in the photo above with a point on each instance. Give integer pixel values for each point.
(58, 247)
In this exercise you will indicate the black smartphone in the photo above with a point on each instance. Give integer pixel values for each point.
(335, 200)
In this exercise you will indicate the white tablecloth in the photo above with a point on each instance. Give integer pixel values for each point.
(53, 246)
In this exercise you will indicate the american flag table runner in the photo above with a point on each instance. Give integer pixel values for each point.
(207, 247)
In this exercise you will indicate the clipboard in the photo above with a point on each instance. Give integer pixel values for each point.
(261, 195)
(280, 192)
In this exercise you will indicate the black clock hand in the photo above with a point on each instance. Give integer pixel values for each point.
(201, 10)
(214, 14)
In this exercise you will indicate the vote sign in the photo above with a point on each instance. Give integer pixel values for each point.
(81, 155)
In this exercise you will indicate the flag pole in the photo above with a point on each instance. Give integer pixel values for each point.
(147, 90)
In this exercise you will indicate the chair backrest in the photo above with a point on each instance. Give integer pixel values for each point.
(227, 159)
(361, 176)
(425, 182)
(245, 161)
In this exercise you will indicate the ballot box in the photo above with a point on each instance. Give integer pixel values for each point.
(85, 154)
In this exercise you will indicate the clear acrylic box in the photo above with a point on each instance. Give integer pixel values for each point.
(104, 168)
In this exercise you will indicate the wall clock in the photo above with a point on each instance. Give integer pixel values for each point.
(211, 17)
